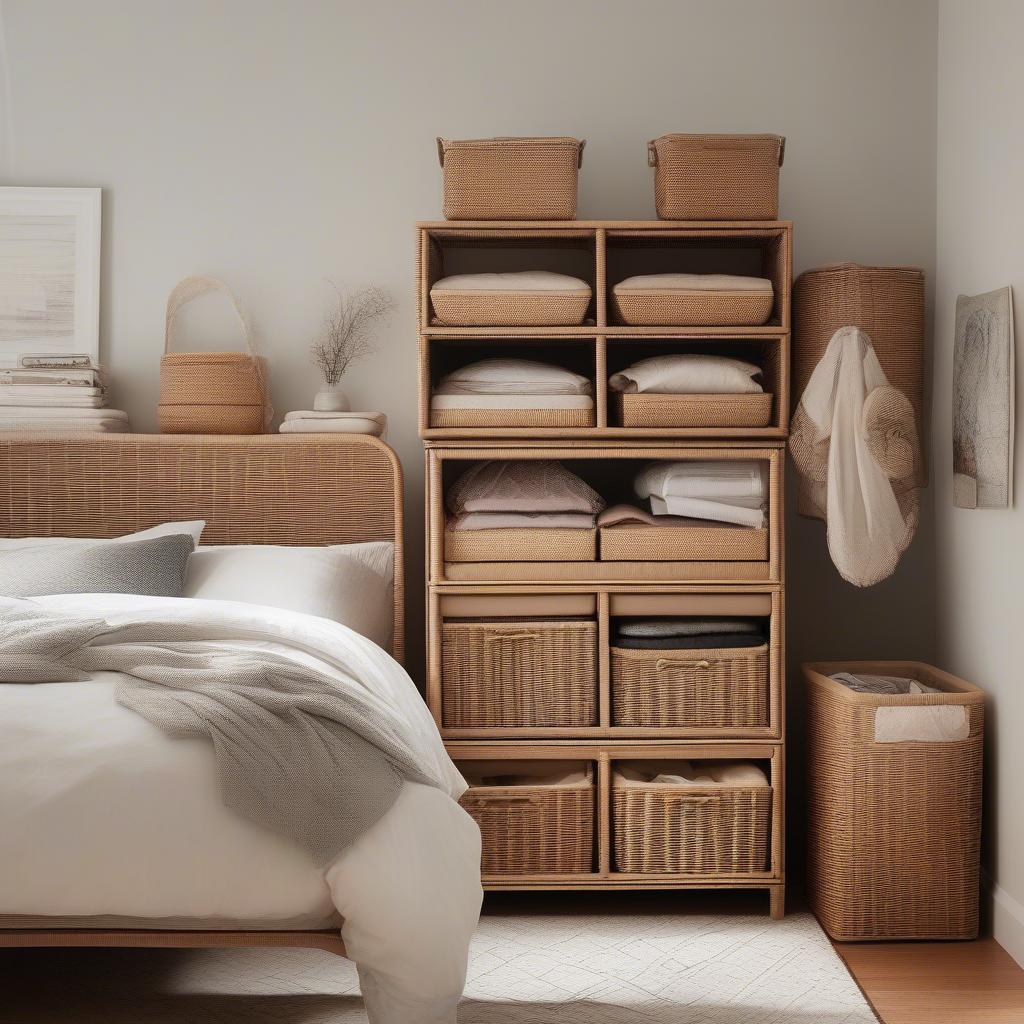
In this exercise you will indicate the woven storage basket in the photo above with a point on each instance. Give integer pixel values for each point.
(673, 307)
(716, 177)
(627, 543)
(690, 829)
(533, 829)
(453, 418)
(525, 545)
(508, 308)
(885, 302)
(510, 178)
(647, 410)
(690, 689)
(211, 392)
(522, 672)
(894, 829)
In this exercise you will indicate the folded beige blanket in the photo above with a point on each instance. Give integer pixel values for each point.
(312, 422)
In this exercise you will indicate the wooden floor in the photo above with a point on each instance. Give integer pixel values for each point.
(938, 982)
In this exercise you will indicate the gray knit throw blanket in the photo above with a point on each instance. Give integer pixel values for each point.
(298, 751)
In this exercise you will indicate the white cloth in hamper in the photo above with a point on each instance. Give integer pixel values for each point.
(517, 281)
(868, 529)
(688, 373)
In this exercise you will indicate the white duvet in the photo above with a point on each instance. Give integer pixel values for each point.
(106, 817)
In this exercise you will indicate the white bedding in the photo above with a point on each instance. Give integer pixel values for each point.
(105, 815)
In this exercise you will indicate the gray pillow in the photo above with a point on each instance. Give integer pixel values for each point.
(153, 567)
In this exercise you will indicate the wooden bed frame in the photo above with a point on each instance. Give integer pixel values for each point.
(315, 489)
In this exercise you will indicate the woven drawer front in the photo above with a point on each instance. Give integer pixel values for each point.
(453, 418)
(674, 308)
(510, 179)
(514, 545)
(509, 309)
(533, 830)
(683, 544)
(699, 689)
(692, 410)
(709, 177)
(539, 672)
(691, 829)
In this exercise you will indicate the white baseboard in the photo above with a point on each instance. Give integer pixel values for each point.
(1008, 922)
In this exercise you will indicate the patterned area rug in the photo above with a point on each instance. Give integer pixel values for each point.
(526, 969)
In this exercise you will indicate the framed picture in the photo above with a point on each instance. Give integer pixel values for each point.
(983, 401)
(49, 273)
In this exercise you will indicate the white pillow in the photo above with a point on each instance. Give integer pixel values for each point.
(194, 528)
(350, 583)
(687, 373)
(518, 376)
(516, 281)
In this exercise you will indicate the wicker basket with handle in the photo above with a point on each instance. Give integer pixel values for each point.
(716, 177)
(539, 826)
(519, 672)
(211, 392)
(510, 178)
(690, 689)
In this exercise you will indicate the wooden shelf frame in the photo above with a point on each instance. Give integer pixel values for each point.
(603, 603)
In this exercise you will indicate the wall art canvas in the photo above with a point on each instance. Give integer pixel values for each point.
(983, 401)
(49, 272)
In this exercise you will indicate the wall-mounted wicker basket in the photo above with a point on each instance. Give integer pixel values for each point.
(510, 178)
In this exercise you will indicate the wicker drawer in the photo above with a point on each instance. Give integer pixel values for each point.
(555, 545)
(455, 418)
(481, 308)
(647, 410)
(693, 689)
(689, 828)
(534, 827)
(630, 543)
(519, 673)
(671, 307)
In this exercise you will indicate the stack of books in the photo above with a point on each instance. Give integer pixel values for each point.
(63, 393)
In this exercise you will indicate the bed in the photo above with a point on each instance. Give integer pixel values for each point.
(405, 916)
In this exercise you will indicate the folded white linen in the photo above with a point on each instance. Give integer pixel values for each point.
(352, 425)
(695, 283)
(70, 400)
(526, 485)
(61, 412)
(519, 281)
(724, 480)
(316, 414)
(63, 424)
(688, 373)
(523, 521)
(688, 773)
(447, 401)
(513, 377)
(698, 508)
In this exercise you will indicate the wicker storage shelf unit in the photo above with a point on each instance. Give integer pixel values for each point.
(894, 826)
(510, 178)
(716, 177)
(690, 828)
(671, 307)
(627, 543)
(515, 545)
(535, 827)
(519, 673)
(650, 410)
(690, 689)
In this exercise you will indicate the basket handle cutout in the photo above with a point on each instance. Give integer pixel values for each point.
(191, 288)
(503, 638)
(669, 663)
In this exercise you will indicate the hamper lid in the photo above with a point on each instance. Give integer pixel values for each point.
(510, 141)
(733, 141)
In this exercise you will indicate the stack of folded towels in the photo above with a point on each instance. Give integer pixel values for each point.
(511, 384)
(311, 422)
(687, 634)
(689, 373)
(529, 494)
(727, 491)
(56, 397)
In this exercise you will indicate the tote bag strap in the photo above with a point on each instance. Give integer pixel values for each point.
(191, 288)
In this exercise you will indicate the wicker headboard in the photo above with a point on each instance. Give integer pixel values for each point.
(266, 489)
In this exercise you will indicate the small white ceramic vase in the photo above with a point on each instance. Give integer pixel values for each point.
(331, 399)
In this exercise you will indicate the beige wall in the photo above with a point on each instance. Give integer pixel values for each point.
(278, 143)
(980, 553)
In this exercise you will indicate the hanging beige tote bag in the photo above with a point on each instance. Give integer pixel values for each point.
(211, 392)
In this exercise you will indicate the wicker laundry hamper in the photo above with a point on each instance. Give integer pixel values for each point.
(894, 821)
(885, 302)
(211, 392)
(510, 178)
(716, 177)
